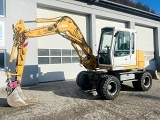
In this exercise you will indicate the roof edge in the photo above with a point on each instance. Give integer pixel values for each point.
(122, 8)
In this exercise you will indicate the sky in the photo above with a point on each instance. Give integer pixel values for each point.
(153, 4)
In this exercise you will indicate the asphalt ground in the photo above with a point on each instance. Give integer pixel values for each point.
(64, 100)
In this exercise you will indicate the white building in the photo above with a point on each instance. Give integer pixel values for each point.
(42, 64)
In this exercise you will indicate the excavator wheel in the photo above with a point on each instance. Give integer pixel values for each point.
(77, 79)
(98, 87)
(144, 82)
(110, 88)
(83, 81)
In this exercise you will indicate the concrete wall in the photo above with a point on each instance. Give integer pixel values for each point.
(26, 10)
(157, 47)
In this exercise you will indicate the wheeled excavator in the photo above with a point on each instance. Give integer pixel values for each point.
(117, 59)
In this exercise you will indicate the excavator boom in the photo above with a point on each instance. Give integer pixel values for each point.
(64, 26)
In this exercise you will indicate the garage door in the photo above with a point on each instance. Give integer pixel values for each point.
(57, 60)
(145, 42)
(100, 23)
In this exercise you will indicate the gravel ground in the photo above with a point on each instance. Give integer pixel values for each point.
(64, 100)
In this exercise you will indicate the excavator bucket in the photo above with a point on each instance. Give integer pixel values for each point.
(17, 99)
(14, 99)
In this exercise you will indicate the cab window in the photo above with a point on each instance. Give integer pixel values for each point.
(122, 44)
(132, 42)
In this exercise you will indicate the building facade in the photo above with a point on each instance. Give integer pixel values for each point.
(52, 58)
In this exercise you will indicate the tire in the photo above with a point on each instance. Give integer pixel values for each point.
(110, 88)
(144, 82)
(98, 87)
(77, 79)
(83, 81)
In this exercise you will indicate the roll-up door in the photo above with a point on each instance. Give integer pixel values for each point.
(100, 23)
(145, 42)
(57, 59)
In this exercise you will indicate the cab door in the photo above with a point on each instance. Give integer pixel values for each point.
(121, 52)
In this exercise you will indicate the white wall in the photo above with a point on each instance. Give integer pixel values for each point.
(27, 10)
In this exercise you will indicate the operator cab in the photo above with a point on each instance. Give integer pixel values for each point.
(117, 47)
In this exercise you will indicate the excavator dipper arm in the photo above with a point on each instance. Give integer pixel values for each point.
(64, 26)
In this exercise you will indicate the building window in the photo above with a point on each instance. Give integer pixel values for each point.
(43, 60)
(66, 56)
(43, 52)
(55, 60)
(55, 52)
(2, 8)
(2, 57)
(57, 56)
(75, 59)
(66, 52)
